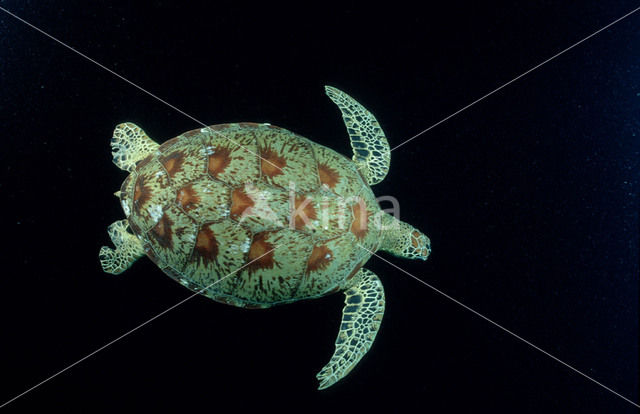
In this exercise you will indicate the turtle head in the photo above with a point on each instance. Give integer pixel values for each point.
(403, 240)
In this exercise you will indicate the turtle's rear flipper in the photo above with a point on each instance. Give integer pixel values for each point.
(128, 249)
(361, 317)
(129, 145)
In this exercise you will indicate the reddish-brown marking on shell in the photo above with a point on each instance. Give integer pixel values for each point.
(187, 198)
(141, 193)
(320, 258)
(328, 175)
(271, 163)
(218, 161)
(303, 211)
(260, 253)
(359, 225)
(162, 232)
(206, 246)
(241, 203)
(173, 163)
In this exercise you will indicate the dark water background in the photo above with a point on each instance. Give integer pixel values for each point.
(530, 198)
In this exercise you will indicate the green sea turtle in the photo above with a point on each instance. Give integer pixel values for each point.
(253, 215)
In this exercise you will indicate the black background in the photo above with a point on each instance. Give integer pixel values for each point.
(530, 198)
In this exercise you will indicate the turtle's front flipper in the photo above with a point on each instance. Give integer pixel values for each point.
(129, 145)
(370, 147)
(128, 249)
(361, 317)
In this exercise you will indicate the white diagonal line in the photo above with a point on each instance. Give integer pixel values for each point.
(134, 329)
(134, 84)
(500, 326)
(515, 79)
